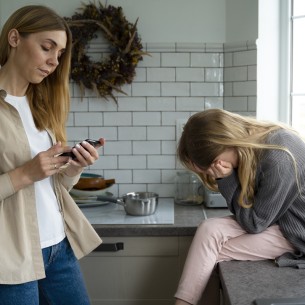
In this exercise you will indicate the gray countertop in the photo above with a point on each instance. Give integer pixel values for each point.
(245, 281)
(185, 223)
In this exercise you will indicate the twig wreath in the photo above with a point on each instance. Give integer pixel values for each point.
(125, 49)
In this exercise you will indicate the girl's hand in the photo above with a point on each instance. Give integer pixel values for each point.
(85, 155)
(220, 169)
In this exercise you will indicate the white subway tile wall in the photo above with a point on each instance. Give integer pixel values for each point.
(175, 81)
(240, 77)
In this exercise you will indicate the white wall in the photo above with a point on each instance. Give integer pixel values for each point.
(172, 20)
(241, 20)
(273, 52)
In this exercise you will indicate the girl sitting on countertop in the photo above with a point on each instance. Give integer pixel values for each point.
(259, 168)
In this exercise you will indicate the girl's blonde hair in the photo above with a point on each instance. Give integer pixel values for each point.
(49, 100)
(209, 133)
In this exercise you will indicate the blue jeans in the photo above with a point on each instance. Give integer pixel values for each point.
(63, 284)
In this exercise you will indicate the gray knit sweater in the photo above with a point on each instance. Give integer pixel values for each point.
(277, 196)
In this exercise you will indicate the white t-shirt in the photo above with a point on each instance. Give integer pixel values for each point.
(50, 222)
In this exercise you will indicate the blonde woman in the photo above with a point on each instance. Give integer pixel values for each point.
(42, 230)
(259, 168)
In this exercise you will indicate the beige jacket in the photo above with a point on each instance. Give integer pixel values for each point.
(20, 253)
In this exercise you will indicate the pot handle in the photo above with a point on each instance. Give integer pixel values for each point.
(110, 199)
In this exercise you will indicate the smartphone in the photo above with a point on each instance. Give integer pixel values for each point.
(94, 143)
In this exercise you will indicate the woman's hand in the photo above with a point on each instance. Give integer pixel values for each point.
(44, 164)
(49, 162)
(220, 169)
(85, 155)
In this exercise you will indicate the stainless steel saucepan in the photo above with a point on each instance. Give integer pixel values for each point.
(135, 203)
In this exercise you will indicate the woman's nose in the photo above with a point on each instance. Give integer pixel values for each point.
(54, 60)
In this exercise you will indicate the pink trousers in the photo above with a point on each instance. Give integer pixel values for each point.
(222, 239)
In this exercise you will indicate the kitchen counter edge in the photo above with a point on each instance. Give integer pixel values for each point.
(186, 221)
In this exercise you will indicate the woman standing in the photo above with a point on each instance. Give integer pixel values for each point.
(259, 168)
(42, 229)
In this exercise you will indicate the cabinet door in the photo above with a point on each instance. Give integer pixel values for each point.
(145, 272)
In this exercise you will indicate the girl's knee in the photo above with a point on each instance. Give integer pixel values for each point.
(215, 226)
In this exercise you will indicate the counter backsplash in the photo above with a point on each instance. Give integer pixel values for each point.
(176, 81)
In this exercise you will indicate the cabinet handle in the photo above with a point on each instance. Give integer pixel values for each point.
(113, 247)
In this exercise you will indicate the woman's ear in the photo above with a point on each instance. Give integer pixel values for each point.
(13, 38)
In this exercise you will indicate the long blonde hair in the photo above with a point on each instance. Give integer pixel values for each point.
(209, 133)
(49, 100)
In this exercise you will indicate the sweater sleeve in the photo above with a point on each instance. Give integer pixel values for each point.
(67, 181)
(229, 188)
(276, 189)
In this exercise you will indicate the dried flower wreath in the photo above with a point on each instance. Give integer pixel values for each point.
(125, 49)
